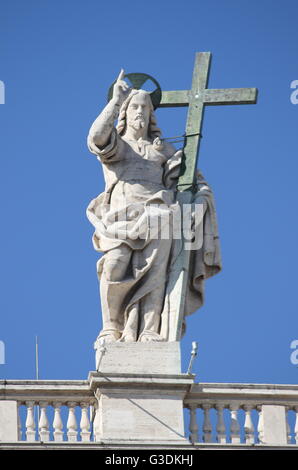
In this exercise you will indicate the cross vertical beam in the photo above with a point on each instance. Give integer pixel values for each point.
(194, 120)
(196, 99)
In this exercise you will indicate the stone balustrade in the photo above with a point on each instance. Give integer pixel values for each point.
(243, 414)
(50, 410)
(219, 414)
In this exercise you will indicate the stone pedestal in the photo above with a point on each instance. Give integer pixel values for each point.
(8, 421)
(138, 358)
(275, 424)
(140, 389)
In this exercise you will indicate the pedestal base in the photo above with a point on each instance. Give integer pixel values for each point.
(8, 421)
(140, 391)
(139, 407)
(138, 358)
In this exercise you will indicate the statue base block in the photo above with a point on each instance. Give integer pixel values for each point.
(140, 390)
(139, 408)
(138, 358)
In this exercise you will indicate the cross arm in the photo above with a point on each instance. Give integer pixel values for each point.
(213, 97)
(177, 98)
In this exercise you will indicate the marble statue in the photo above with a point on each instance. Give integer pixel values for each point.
(141, 171)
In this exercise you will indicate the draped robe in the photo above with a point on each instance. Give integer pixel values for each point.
(131, 219)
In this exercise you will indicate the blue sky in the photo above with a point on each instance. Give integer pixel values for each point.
(57, 60)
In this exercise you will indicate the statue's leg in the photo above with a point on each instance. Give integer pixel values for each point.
(131, 326)
(151, 307)
(116, 262)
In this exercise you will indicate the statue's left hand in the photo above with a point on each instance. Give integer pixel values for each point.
(158, 143)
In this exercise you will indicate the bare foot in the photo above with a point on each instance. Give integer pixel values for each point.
(126, 339)
(109, 336)
(148, 336)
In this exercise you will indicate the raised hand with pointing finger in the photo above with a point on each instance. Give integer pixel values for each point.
(102, 127)
(121, 89)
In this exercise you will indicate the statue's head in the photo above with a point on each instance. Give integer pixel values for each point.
(137, 111)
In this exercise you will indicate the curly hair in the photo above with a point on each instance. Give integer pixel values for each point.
(153, 130)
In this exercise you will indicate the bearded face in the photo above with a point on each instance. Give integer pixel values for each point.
(138, 111)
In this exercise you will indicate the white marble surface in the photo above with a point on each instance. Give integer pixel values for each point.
(132, 216)
(139, 407)
(139, 358)
(274, 424)
(8, 421)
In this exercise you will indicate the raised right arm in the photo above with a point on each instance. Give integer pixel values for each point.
(101, 129)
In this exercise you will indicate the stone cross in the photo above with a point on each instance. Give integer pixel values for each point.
(196, 99)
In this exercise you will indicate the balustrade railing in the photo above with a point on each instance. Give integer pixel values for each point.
(72, 424)
(243, 414)
(56, 411)
(225, 414)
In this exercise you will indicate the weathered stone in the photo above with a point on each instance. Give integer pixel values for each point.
(8, 421)
(274, 424)
(136, 407)
(139, 358)
(134, 222)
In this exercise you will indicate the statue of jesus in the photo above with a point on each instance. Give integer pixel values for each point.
(141, 171)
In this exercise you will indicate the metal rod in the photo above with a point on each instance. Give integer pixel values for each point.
(181, 136)
(36, 359)
(102, 350)
(37, 378)
(194, 352)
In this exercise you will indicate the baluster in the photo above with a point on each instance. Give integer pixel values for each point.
(193, 425)
(260, 425)
(249, 429)
(57, 423)
(30, 423)
(19, 424)
(85, 423)
(288, 428)
(71, 423)
(207, 428)
(97, 424)
(235, 428)
(296, 424)
(44, 433)
(220, 426)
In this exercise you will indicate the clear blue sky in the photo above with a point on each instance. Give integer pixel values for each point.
(57, 60)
